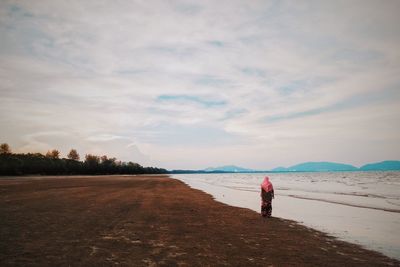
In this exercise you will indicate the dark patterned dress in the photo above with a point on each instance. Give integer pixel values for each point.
(266, 202)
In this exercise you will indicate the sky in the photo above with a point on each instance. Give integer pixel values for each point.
(194, 84)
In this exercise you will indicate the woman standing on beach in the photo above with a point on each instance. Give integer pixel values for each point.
(267, 194)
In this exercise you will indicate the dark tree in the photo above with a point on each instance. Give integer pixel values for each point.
(92, 159)
(51, 164)
(54, 154)
(5, 149)
(73, 155)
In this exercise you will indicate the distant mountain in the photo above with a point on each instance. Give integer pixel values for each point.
(389, 165)
(228, 168)
(318, 167)
(323, 166)
(279, 169)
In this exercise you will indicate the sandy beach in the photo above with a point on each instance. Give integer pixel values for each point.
(152, 221)
(356, 207)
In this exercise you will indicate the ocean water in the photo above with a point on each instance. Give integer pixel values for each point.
(358, 207)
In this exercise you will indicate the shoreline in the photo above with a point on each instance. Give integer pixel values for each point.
(372, 229)
(152, 221)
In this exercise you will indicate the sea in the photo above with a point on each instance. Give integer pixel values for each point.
(357, 207)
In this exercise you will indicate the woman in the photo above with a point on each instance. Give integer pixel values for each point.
(267, 194)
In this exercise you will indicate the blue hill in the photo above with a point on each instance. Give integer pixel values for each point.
(318, 167)
(280, 169)
(389, 165)
(322, 166)
(228, 168)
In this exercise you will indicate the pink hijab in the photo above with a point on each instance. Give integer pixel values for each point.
(266, 185)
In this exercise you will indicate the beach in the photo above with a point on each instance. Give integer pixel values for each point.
(152, 221)
(356, 207)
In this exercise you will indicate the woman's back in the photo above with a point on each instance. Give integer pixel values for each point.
(267, 196)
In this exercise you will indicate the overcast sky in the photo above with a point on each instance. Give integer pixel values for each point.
(193, 84)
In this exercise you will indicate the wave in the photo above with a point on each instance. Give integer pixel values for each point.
(355, 194)
(345, 204)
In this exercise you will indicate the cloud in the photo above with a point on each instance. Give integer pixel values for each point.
(104, 138)
(191, 98)
(193, 84)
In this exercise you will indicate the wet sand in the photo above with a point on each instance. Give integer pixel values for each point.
(152, 221)
(369, 227)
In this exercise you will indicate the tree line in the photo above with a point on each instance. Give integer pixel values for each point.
(52, 164)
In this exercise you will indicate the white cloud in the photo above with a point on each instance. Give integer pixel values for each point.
(286, 76)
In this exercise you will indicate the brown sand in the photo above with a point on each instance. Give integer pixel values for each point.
(152, 221)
